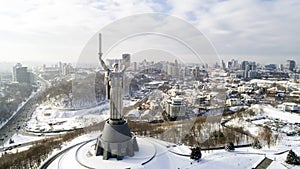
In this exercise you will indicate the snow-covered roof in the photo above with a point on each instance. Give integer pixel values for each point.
(149, 113)
(289, 104)
(134, 113)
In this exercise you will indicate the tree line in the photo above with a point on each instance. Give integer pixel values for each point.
(36, 154)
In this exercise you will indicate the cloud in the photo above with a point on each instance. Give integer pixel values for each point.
(247, 27)
(54, 30)
(57, 30)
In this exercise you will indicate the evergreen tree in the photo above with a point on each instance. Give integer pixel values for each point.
(256, 144)
(292, 158)
(229, 146)
(196, 153)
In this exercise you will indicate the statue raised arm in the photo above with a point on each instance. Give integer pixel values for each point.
(100, 55)
(108, 71)
(103, 63)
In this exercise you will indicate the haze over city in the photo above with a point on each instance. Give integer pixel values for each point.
(51, 31)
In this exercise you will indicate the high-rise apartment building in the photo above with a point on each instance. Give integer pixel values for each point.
(21, 74)
(290, 65)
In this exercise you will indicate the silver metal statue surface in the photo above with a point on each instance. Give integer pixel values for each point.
(114, 88)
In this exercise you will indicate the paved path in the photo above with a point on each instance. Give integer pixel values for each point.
(264, 163)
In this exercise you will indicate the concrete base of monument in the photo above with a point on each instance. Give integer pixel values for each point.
(116, 141)
(152, 153)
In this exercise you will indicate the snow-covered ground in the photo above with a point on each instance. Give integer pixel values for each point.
(237, 108)
(127, 103)
(167, 156)
(284, 83)
(247, 126)
(20, 139)
(278, 153)
(170, 156)
(269, 116)
(47, 119)
(282, 122)
(161, 155)
(273, 113)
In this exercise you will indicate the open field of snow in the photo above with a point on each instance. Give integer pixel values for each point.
(46, 119)
(21, 139)
(273, 113)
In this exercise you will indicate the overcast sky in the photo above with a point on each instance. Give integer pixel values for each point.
(57, 30)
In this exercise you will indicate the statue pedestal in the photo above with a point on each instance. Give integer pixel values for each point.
(116, 140)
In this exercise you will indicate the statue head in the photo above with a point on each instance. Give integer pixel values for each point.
(116, 67)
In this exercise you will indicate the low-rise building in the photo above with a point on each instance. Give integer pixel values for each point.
(149, 115)
(295, 94)
(290, 107)
(175, 107)
(233, 102)
(245, 89)
(202, 99)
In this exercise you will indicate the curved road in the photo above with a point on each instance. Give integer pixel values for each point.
(46, 164)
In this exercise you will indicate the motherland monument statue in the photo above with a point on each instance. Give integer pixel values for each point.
(116, 140)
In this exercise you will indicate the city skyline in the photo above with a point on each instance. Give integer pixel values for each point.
(52, 31)
(141, 58)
